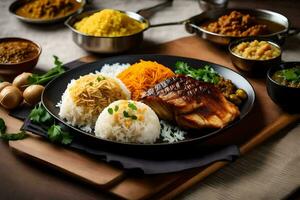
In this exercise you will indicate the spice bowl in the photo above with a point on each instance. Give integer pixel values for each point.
(252, 66)
(9, 70)
(283, 95)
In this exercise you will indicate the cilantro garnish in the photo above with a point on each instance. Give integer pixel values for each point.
(132, 106)
(206, 73)
(10, 136)
(51, 74)
(56, 134)
(126, 115)
(110, 111)
(39, 115)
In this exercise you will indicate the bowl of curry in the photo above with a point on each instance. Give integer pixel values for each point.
(45, 11)
(254, 55)
(17, 55)
(283, 85)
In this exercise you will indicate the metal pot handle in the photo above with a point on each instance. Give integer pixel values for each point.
(292, 31)
(169, 23)
(145, 11)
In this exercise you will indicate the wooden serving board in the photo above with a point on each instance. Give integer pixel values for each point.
(265, 120)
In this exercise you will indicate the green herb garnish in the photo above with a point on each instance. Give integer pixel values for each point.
(134, 117)
(51, 74)
(116, 108)
(56, 134)
(39, 115)
(292, 74)
(110, 111)
(91, 83)
(13, 136)
(206, 73)
(2, 126)
(10, 136)
(126, 115)
(132, 106)
(99, 78)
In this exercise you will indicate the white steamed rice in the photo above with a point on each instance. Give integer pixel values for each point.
(114, 69)
(75, 115)
(116, 126)
(168, 132)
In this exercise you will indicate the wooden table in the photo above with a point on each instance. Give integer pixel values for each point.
(24, 179)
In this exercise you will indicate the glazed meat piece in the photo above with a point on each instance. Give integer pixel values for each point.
(191, 103)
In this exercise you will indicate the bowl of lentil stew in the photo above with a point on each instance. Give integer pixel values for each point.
(283, 85)
(17, 55)
(253, 55)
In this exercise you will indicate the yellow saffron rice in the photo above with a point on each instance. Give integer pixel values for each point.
(109, 23)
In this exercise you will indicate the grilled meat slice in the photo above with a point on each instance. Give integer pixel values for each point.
(191, 103)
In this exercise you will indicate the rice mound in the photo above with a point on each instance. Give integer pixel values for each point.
(139, 125)
(81, 115)
(109, 23)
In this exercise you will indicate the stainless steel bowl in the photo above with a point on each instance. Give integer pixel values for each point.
(99, 44)
(16, 4)
(250, 66)
(194, 24)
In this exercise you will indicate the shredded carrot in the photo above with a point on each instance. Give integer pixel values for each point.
(141, 76)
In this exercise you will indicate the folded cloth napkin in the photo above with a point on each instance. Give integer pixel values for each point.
(128, 162)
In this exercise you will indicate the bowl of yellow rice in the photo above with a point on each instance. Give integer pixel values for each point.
(107, 30)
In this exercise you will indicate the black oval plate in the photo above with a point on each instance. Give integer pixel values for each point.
(54, 90)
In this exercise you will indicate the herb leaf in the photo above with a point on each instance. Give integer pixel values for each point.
(132, 106)
(51, 74)
(292, 74)
(13, 136)
(2, 126)
(56, 134)
(126, 114)
(206, 73)
(110, 111)
(39, 115)
(116, 108)
(10, 136)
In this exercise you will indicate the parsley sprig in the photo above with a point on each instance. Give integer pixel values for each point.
(51, 74)
(206, 73)
(10, 136)
(55, 132)
(39, 115)
(292, 74)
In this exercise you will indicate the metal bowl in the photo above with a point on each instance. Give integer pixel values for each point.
(194, 24)
(284, 96)
(18, 3)
(100, 44)
(251, 66)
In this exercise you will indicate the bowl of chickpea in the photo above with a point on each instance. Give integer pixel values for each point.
(254, 56)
